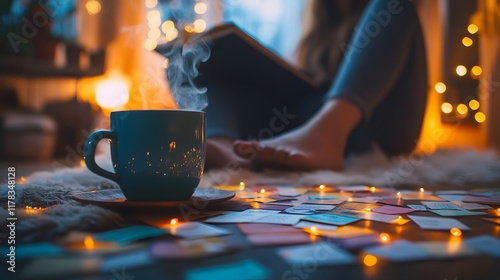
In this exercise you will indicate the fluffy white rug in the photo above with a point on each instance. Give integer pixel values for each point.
(445, 167)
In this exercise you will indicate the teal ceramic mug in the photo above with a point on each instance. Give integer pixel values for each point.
(157, 155)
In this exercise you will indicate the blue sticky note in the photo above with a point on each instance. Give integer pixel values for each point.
(130, 234)
(486, 244)
(241, 270)
(321, 197)
(33, 250)
(447, 212)
(331, 219)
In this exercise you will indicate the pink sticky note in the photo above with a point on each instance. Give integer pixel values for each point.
(394, 210)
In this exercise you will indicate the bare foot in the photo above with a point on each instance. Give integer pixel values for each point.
(318, 144)
(220, 154)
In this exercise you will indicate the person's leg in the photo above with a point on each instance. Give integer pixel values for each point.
(374, 69)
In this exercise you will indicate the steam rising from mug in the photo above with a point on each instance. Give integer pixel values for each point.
(182, 70)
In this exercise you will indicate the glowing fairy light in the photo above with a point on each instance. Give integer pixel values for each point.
(349, 199)
(446, 107)
(476, 70)
(474, 104)
(89, 243)
(171, 34)
(200, 8)
(480, 117)
(370, 260)
(321, 187)
(384, 237)
(455, 231)
(262, 190)
(462, 109)
(461, 70)
(313, 230)
(199, 25)
(440, 87)
(93, 7)
(151, 3)
(466, 41)
(373, 189)
(174, 221)
(167, 25)
(398, 194)
(242, 186)
(422, 190)
(472, 28)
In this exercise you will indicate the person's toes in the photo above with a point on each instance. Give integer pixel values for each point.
(246, 149)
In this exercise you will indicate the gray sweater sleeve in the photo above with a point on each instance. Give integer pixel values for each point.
(376, 54)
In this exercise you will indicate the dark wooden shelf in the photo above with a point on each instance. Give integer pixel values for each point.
(32, 67)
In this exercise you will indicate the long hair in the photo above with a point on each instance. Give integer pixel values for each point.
(328, 25)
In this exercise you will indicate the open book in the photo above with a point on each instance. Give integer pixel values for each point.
(238, 59)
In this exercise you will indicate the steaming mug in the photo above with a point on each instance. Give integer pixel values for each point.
(157, 155)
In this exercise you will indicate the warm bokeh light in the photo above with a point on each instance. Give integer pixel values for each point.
(446, 107)
(373, 189)
(262, 190)
(151, 3)
(461, 70)
(93, 7)
(154, 34)
(474, 104)
(154, 19)
(174, 221)
(313, 230)
(199, 25)
(23, 180)
(384, 237)
(480, 117)
(370, 260)
(472, 28)
(82, 163)
(466, 41)
(462, 109)
(398, 194)
(321, 187)
(349, 199)
(476, 70)
(167, 25)
(422, 190)
(242, 185)
(89, 243)
(455, 231)
(440, 87)
(150, 44)
(200, 8)
(171, 34)
(189, 28)
(112, 92)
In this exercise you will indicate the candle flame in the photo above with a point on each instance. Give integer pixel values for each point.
(455, 231)
(89, 243)
(384, 237)
(370, 260)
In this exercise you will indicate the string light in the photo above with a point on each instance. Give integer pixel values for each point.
(321, 187)
(384, 237)
(199, 25)
(189, 28)
(93, 7)
(154, 34)
(398, 194)
(313, 230)
(474, 104)
(167, 25)
(461, 70)
(89, 243)
(373, 189)
(422, 190)
(174, 221)
(440, 87)
(171, 34)
(446, 107)
(151, 3)
(262, 191)
(466, 41)
(200, 8)
(472, 28)
(476, 71)
(455, 231)
(349, 199)
(370, 260)
(462, 109)
(480, 117)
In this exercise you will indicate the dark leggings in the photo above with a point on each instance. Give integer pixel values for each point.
(383, 72)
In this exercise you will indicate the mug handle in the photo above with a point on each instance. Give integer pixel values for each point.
(89, 153)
